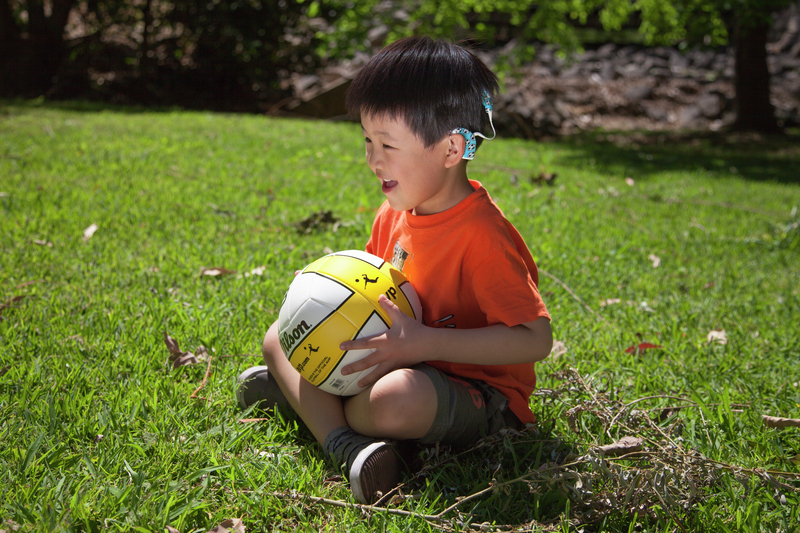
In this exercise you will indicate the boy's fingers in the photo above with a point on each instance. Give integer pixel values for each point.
(387, 304)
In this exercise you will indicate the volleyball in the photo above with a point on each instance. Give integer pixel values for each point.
(333, 300)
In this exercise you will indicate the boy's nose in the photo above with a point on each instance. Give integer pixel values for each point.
(373, 159)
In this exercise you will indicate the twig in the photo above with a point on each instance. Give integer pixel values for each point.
(576, 297)
(624, 407)
(363, 508)
(778, 422)
(205, 379)
(21, 285)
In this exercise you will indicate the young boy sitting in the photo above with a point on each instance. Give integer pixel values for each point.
(468, 369)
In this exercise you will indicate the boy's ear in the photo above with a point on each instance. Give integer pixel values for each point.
(456, 144)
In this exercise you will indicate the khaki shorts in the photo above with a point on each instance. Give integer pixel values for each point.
(467, 409)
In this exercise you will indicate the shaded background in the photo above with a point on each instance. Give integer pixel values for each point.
(567, 66)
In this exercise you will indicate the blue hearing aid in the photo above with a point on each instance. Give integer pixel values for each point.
(469, 137)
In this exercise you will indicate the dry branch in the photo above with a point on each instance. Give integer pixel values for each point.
(778, 422)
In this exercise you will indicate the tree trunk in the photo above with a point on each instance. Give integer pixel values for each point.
(754, 111)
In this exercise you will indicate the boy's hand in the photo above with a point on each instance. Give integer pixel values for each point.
(396, 348)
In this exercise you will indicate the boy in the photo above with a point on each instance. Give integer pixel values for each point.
(468, 369)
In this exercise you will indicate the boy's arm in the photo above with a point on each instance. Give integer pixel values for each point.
(408, 343)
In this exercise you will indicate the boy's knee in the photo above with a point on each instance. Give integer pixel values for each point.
(271, 347)
(394, 403)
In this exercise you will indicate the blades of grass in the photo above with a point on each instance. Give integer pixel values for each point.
(31, 453)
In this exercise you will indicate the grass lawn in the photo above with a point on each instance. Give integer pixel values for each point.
(112, 219)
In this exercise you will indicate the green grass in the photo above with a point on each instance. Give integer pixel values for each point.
(98, 434)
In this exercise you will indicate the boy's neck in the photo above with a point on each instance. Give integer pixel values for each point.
(458, 188)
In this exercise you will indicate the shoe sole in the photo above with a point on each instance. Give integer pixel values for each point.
(374, 472)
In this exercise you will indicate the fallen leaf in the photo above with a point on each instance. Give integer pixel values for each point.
(629, 181)
(642, 347)
(43, 243)
(316, 221)
(171, 529)
(559, 349)
(258, 271)
(610, 301)
(644, 306)
(12, 526)
(213, 272)
(655, 260)
(201, 353)
(176, 356)
(622, 446)
(778, 422)
(172, 345)
(229, 526)
(717, 336)
(11, 303)
(3, 194)
(709, 285)
(796, 459)
(545, 177)
(88, 232)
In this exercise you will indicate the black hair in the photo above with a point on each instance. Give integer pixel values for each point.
(432, 85)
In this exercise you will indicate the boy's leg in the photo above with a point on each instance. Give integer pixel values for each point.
(371, 464)
(401, 405)
(428, 406)
(321, 412)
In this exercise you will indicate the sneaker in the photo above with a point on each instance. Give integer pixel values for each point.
(256, 386)
(375, 471)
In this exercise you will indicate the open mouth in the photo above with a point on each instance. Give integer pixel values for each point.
(388, 185)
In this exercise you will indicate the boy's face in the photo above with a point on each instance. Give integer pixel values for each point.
(425, 180)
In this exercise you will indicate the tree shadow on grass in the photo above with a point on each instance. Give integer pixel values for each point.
(763, 158)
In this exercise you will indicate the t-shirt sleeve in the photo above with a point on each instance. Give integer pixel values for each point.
(505, 290)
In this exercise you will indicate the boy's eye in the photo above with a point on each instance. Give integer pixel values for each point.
(367, 140)
(388, 147)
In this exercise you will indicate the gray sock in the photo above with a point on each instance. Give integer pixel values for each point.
(343, 444)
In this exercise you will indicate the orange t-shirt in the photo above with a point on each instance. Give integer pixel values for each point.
(471, 269)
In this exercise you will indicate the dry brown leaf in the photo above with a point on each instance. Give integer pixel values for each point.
(172, 345)
(316, 222)
(171, 529)
(176, 356)
(778, 422)
(796, 459)
(559, 349)
(655, 260)
(41, 242)
(717, 336)
(216, 271)
(545, 178)
(622, 446)
(11, 303)
(201, 353)
(234, 525)
(610, 301)
(88, 232)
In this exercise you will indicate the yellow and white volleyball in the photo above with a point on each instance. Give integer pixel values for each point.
(333, 300)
